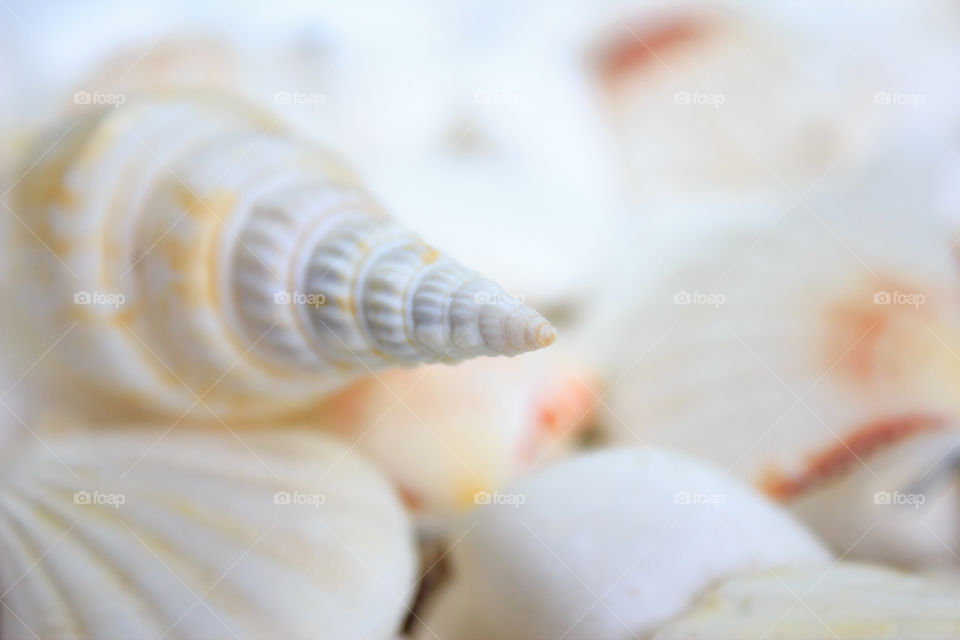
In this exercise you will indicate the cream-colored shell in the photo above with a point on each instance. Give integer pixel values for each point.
(143, 532)
(188, 255)
(447, 436)
(844, 601)
(607, 545)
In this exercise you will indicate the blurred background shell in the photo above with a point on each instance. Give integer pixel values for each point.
(845, 600)
(606, 544)
(792, 348)
(144, 532)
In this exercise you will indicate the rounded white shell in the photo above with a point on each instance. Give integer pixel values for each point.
(848, 601)
(189, 255)
(186, 534)
(446, 434)
(608, 545)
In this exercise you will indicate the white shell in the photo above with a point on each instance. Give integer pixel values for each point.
(185, 534)
(608, 545)
(790, 349)
(681, 82)
(193, 257)
(847, 601)
(447, 435)
(902, 505)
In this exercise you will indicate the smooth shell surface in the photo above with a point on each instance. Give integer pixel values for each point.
(185, 534)
(844, 601)
(185, 254)
(448, 436)
(608, 545)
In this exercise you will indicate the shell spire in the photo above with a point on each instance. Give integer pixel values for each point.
(206, 260)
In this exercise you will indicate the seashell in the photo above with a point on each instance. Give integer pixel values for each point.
(187, 256)
(450, 436)
(900, 505)
(679, 83)
(792, 351)
(148, 533)
(847, 601)
(608, 545)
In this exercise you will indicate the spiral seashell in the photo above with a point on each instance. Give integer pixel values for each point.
(449, 437)
(607, 545)
(188, 256)
(848, 601)
(795, 350)
(148, 533)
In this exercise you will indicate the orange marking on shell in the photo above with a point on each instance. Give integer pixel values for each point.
(838, 458)
(635, 52)
(860, 328)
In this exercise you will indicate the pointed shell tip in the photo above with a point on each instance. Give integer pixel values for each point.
(546, 334)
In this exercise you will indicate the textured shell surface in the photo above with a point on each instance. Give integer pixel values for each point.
(448, 437)
(189, 255)
(846, 601)
(608, 544)
(791, 349)
(138, 533)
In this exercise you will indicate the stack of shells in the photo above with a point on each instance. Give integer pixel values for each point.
(196, 280)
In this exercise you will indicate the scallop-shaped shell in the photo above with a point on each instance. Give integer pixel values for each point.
(791, 350)
(148, 533)
(608, 545)
(847, 601)
(187, 255)
(450, 436)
